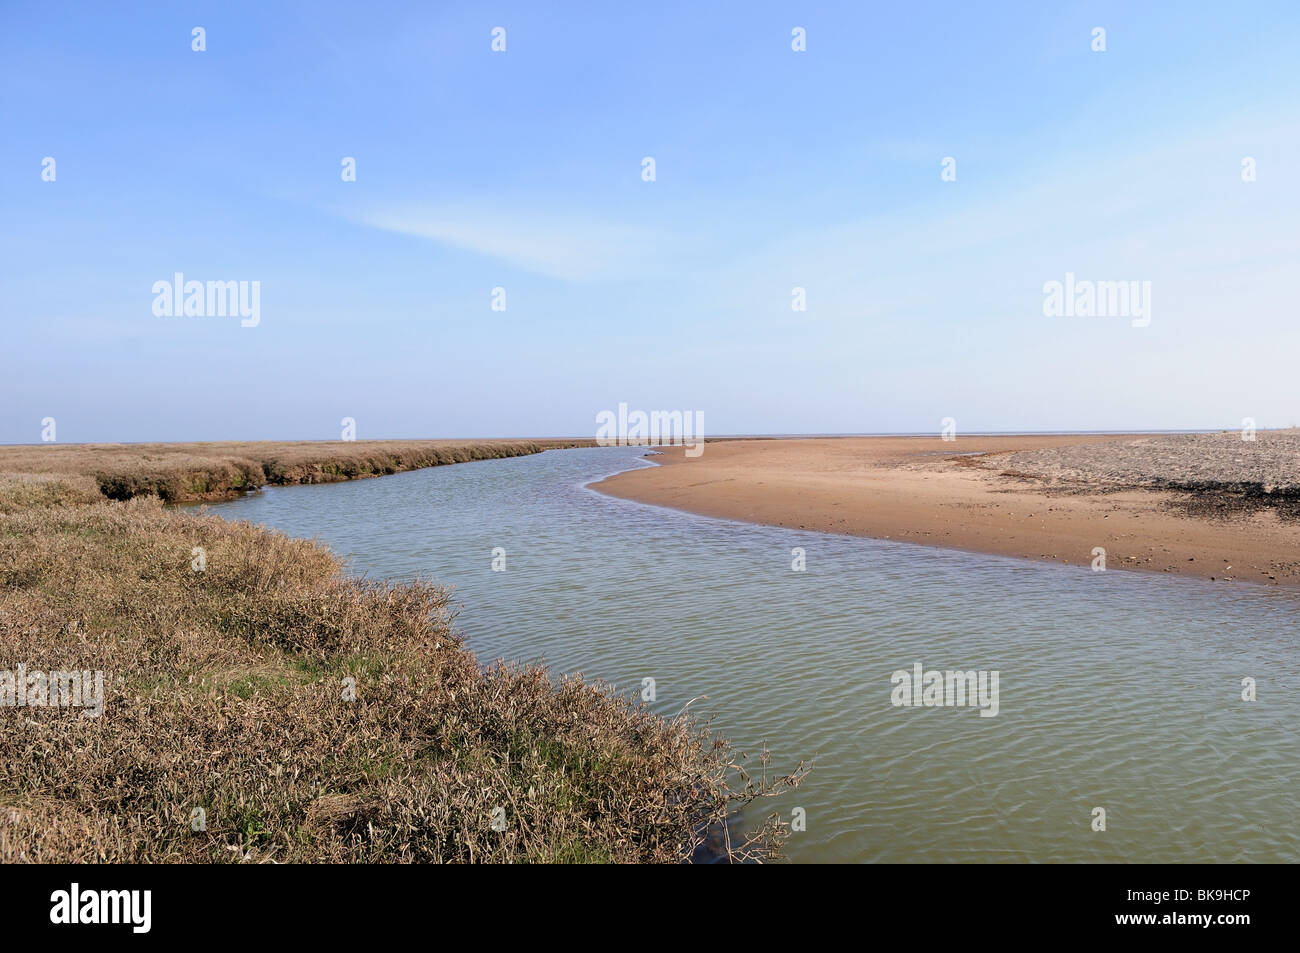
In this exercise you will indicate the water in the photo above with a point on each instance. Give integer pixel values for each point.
(1117, 690)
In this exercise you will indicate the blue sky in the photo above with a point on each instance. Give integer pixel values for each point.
(775, 169)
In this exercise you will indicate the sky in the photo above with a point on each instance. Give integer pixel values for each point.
(523, 170)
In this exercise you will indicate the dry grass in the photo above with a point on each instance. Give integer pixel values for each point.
(191, 472)
(225, 694)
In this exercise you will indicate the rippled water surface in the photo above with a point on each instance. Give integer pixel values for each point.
(1117, 690)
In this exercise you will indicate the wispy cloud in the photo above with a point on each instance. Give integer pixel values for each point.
(571, 248)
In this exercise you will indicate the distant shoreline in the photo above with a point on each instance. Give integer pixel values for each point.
(213, 472)
(1197, 503)
(1225, 509)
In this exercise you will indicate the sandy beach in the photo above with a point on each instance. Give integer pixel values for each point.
(1206, 505)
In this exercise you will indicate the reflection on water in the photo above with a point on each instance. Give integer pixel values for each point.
(1117, 690)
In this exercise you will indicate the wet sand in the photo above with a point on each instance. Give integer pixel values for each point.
(1057, 499)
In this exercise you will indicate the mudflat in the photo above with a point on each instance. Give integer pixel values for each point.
(1214, 506)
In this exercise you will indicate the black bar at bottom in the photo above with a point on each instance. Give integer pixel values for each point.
(338, 904)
